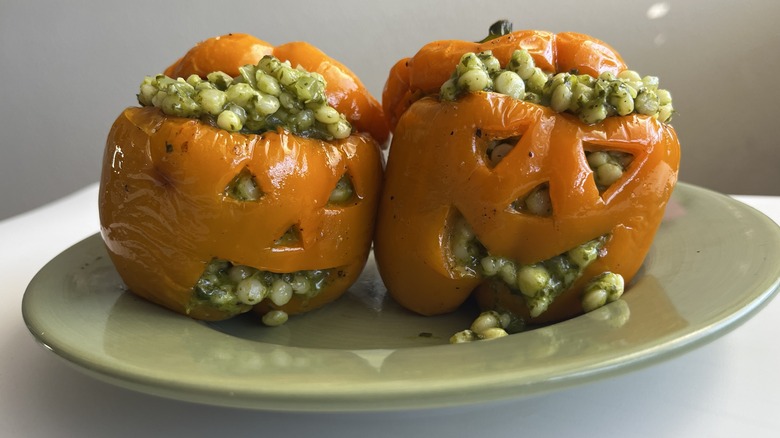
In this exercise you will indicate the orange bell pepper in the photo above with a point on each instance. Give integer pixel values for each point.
(165, 212)
(438, 174)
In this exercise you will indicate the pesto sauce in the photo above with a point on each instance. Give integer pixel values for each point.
(264, 97)
(236, 288)
(592, 99)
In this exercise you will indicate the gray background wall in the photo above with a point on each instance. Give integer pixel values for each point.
(68, 69)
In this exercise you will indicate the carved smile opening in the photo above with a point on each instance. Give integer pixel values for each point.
(538, 283)
(235, 287)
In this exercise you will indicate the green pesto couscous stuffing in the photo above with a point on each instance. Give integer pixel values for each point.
(490, 324)
(538, 283)
(264, 97)
(602, 289)
(591, 99)
(237, 288)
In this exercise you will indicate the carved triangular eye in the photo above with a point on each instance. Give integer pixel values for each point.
(343, 192)
(537, 202)
(497, 149)
(243, 187)
(607, 166)
(291, 238)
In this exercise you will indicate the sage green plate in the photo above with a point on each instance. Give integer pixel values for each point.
(714, 263)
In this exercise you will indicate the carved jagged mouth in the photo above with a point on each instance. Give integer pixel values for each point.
(537, 283)
(236, 288)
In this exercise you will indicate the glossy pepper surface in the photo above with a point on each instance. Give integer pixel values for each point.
(165, 211)
(438, 173)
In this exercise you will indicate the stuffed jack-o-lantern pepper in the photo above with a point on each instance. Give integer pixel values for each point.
(250, 183)
(531, 170)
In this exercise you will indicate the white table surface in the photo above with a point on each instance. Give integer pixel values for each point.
(727, 388)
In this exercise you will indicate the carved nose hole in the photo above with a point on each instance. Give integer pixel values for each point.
(536, 202)
(343, 193)
(291, 239)
(243, 187)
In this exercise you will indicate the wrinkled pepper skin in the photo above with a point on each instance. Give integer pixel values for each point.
(438, 170)
(165, 214)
